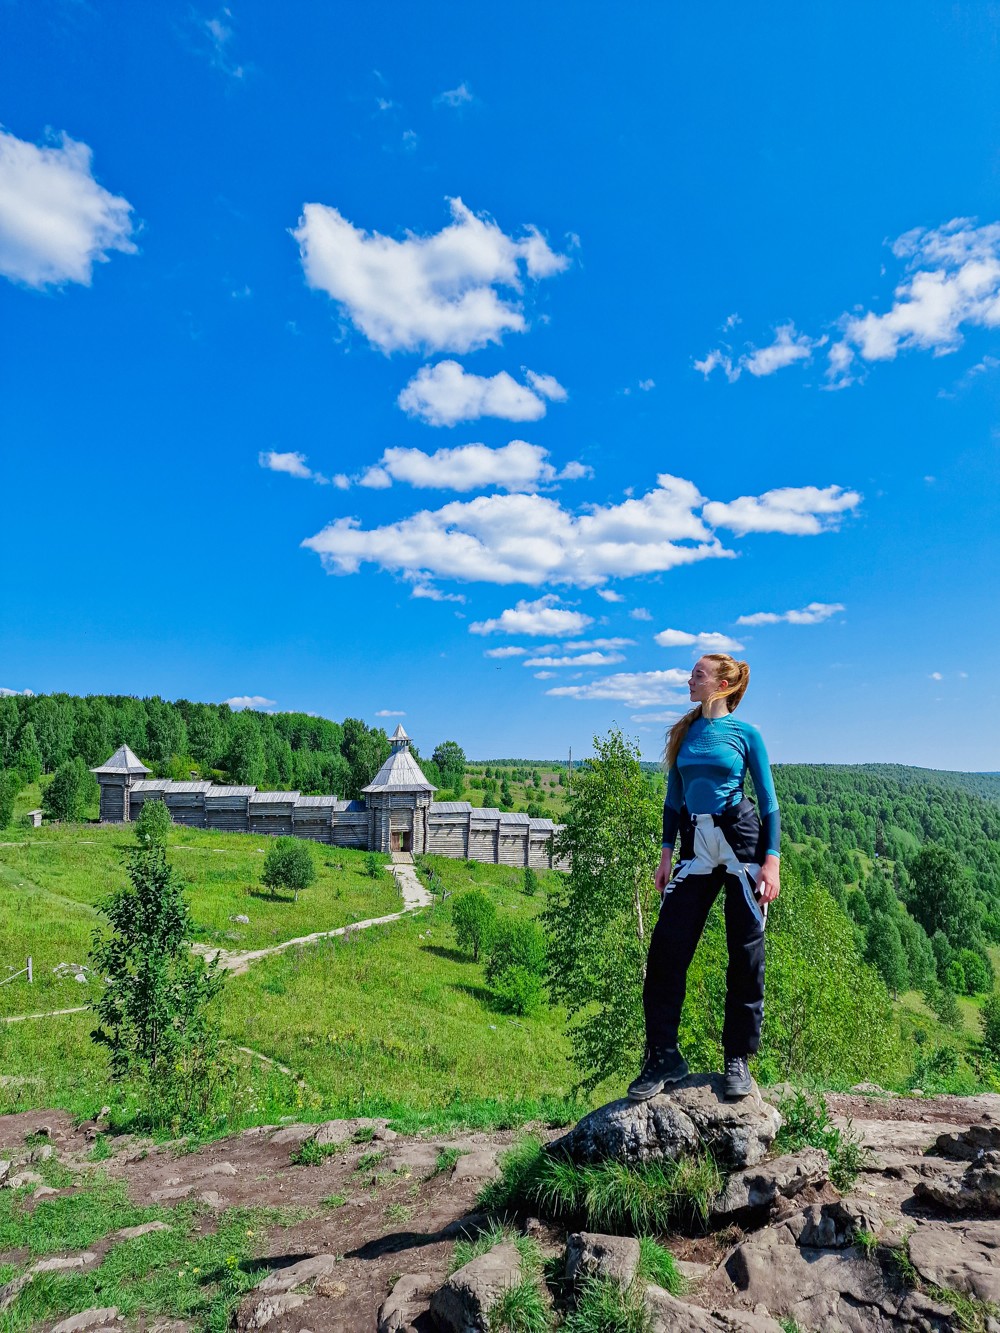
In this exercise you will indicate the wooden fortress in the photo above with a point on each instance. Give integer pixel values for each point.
(398, 813)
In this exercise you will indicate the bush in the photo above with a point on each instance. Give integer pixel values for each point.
(515, 968)
(69, 791)
(806, 1123)
(288, 865)
(153, 1015)
(530, 881)
(373, 866)
(978, 972)
(153, 824)
(473, 918)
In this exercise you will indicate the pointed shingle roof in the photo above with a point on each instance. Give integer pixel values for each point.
(400, 772)
(122, 761)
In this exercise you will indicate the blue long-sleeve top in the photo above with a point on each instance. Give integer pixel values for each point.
(710, 771)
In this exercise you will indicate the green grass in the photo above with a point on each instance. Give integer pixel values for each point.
(446, 1159)
(603, 1307)
(658, 1265)
(609, 1196)
(73, 1221)
(311, 1153)
(177, 1273)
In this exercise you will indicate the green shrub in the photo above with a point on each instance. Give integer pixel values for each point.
(373, 865)
(977, 970)
(288, 865)
(603, 1307)
(473, 918)
(10, 785)
(515, 968)
(69, 791)
(989, 1018)
(806, 1123)
(530, 881)
(153, 825)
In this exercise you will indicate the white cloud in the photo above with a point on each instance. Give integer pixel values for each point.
(446, 393)
(812, 614)
(432, 594)
(56, 222)
(294, 464)
(455, 97)
(640, 613)
(936, 675)
(609, 595)
(788, 347)
(584, 644)
(375, 479)
(706, 641)
(435, 292)
(505, 652)
(544, 617)
(796, 510)
(390, 712)
(640, 689)
(249, 701)
(8, 694)
(532, 539)
(516, 466)
(545, 675)
(546, 385)
(576, 660)
(647, 385)
(220, 35)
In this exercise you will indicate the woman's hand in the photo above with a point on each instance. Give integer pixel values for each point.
(662, 877)
(769, 879)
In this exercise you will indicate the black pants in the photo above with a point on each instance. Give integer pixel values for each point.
(717, 852)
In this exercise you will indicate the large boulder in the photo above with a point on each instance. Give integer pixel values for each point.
(756, 1189)
(692, 1116)
(964, 1257)
(967, 1144)
(834, 1226)
(978, 1190)
(406, 1302)
(669, 1315)
(464, 1303)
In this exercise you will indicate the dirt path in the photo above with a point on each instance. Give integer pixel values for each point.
(414, 896)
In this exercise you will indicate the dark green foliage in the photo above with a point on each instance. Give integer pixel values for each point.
(153, 825)
(990, 1020)
(10, 785)
(600, 915)
(365, 752)
(942, 1000)
(978, 972)
(506, 796)
(473, 918)
(245, 759)
(806, 1123)
(72, 788)
(28, 756)
(885, 952)
(450, 760)
(934, 1069)
(288, 866)
(942, 896)
(515, 967)
(530, 884)
(153, 1014)
(611, 1196)
(373, 865)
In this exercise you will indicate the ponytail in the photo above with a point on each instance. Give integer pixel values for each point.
(727, 668)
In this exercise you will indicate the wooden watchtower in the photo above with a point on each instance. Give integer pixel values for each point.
(117, 776)
(398, 799)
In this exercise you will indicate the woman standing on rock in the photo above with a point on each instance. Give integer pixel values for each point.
(723, 845)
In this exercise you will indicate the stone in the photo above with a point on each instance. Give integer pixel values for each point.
(591, 1255)
(254, 1314)
(241, 919)
(464, 1303)
(23, 1178)
(88, 1319)
(832, 1289)
(834, 1226)
(44, 1191)
(304, 1272)
(413, 1159)
(480, 1165)
(343, 1131)
(276, 1294)
(133, 1233)
(962, 1256)
(5, 1167)
(668, 1314)
(757, 1188)
(41, 1153)
(294, 1135)
(978, 1190)
(60, 1262)
(405, 1303)
(967, 1144)
(10, 1291)
(383, 1134)
(214, 1169)
(692, 1116)
(212, 1199)
(173, 1192)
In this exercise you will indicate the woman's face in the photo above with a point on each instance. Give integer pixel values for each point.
(703, 682)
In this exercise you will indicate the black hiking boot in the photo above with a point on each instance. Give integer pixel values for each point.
(738, 1081)
(661, 1065)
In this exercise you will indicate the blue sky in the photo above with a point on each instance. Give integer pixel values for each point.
(472, 367)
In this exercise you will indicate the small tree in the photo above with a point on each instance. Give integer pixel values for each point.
(506, 796)
(530, 881)
(153, 824)
(515, 968)
(28, 757)
(990, 1020)
(288, 865)
(373, 866)
(473, 918)
(68, 792)
(977, 972)
(153, 1013)
(9, 787)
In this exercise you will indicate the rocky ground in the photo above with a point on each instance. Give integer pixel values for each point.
(911, 1246)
